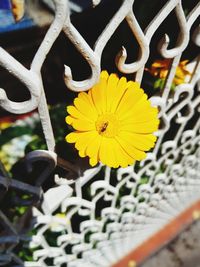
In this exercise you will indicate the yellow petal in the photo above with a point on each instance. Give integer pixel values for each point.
(184, 62)
(113, 155)
(123, 158)
(103, 152)
(84, 108)
(72, 137)
(82, 153)
(129, 100)
(83, 125)
(145, 128)
(98, 93)
(88, 99)
(93, 161)
(140, 141)
(130, 149)
(69, 120)
(74, 112)
(145, 115)
(120, 90)
(84, 140)
(106, 154)
(104, 75)
(93, 148)
(142, 106)
(111, 90)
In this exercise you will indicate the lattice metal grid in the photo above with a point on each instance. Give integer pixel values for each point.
(110, 212)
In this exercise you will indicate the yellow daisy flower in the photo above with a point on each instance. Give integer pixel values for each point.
(4, 125)
(114, 122)
(160, 69)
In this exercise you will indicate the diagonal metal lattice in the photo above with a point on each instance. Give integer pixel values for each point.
(14, 230)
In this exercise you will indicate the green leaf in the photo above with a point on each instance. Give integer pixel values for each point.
(158, 84)
(173, 86)
(144, 180)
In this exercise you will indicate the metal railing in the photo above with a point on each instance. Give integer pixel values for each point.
(120, 209)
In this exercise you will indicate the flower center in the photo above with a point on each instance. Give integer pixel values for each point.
(107, 125)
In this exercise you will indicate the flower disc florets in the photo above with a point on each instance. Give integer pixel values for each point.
(107, 125)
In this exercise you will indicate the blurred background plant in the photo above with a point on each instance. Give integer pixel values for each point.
(160, 68)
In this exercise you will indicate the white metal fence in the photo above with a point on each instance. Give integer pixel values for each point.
(130, 210)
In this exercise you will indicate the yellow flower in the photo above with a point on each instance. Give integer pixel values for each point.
(4, 125)
(160, 69)
(114, 122)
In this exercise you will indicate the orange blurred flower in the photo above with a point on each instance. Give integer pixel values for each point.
(4, 125)
(160, 70)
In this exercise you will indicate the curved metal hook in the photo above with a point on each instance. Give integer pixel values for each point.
(144, 48)
(159, 18)
(96, 2)
(193, 15)
(61, 14)
(112, 26)
(15, 107)
(28, 78)
(182, 88)
(196, 36)
(183, 38)
(92, 59)
(41, 155)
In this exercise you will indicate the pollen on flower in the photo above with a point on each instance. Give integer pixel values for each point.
(114, 122)
(103, 127)
(107, 125)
